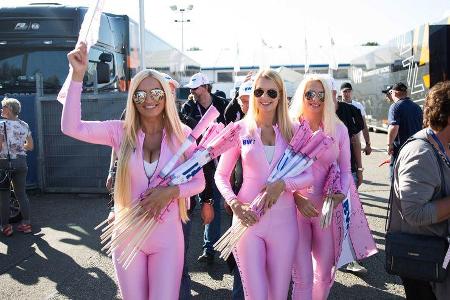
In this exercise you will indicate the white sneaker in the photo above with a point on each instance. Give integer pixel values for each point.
(355, 267)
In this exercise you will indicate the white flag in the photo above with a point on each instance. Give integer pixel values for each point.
(306, 55)
(237, 66)
(88, 34)
(333, 63)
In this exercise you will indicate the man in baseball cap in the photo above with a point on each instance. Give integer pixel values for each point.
(346, 92)
(404, 119)
(198, 79)
(400, 87)
(245, 90)
(387, 91)
(346, 86)
(191, 113)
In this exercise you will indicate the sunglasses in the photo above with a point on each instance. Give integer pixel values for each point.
(271, 93)
(155, 94)
(310, 95)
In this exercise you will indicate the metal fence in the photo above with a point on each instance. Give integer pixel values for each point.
(66, 164)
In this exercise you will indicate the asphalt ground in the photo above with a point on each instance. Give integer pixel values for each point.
(62, 258)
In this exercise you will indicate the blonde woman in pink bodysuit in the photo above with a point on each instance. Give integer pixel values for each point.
(313, 102)
(265, 252)
(144, 142)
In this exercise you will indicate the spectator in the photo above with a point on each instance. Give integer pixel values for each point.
(347, 92)
(387, 92)
(353, 120)
(191, 112)
(221, 94)
(405, 119)
(235, 109)
(421, 201)
(15, 140)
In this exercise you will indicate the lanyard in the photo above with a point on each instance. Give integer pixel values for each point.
(441, 147)
(199, 110)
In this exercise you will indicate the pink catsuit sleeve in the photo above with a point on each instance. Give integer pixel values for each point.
(299, 182)
(223, 172)
(95, 132)
(344, 159)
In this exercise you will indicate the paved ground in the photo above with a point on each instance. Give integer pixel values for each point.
(61, 260)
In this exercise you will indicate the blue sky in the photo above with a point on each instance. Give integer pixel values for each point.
(224, 24)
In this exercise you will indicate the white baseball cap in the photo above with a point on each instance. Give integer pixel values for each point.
(197, 80)
(173, 83)
(246, 88)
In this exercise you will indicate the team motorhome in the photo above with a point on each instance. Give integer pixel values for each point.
(419, 58)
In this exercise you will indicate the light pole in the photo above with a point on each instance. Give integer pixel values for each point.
(182, 10)
(142, 33)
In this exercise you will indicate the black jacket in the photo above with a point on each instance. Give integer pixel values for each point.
(191, 111)
(353, 120)
(190, 114)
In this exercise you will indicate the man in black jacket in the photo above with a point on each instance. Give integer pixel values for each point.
(191, 113)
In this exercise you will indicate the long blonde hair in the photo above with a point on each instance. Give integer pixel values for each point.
(172, 126)
(281, 114)
(329, 117)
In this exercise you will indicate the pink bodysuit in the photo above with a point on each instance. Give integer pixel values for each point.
(314, 242)
(156, 271)
(266, 251)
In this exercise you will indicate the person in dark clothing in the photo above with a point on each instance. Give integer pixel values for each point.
(233, 111)
(191, 112)
(220, 94)
(405, 119)
(349, 115)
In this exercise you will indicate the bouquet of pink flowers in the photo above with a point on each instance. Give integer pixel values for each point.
(302, 151)
(134, 224)
(331, 186)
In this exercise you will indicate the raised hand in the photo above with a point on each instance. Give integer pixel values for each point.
(78, 60)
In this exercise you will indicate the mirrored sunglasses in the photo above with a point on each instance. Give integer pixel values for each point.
(310, 95)
(271, 93)
(155, 94)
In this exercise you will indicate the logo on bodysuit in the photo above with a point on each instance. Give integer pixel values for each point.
(248, 141)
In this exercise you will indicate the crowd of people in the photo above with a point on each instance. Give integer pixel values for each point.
(286, 243)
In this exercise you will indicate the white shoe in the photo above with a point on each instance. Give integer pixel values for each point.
(355, 267)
